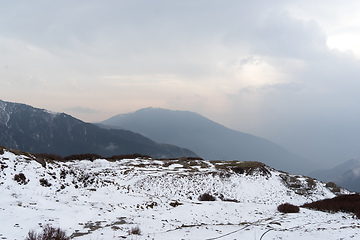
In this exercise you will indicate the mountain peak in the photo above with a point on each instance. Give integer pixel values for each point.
(211, 140)
(32, 129)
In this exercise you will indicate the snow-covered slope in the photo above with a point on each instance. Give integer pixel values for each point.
(105, 200)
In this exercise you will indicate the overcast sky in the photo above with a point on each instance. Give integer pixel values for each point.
(288, 71)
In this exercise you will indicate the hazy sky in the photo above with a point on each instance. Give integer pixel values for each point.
(285, 70)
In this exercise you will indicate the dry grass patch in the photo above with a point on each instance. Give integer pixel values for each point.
(343, 203)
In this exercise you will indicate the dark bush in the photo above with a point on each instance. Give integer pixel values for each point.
(63, 173)
(311, 183)
(128, 156)
(343, 203)
(238, 170)
(49, 156)
(87, 156)
(20, 179)
(243, 167)
(288, 208)
(331, 185)
(206, 197)
(223, 198)
(135, 231)
(175, 203)
(48, 233)
(84, 179)
(44, 182)
(194, 158)
(3, 166)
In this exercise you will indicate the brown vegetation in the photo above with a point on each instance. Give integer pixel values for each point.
(49, 156)
(128, 156)
(206, 197)
(48, 233)
(86, 156)
(342, 203)
(44, 182)
(20, 179)
(288, 208)
(135, 231)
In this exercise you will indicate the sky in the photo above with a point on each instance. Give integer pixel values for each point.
(288, 71)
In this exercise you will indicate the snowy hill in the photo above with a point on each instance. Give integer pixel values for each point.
(104, 199)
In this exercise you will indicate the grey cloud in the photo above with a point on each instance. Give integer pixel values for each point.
(277, 34)
(65, 42)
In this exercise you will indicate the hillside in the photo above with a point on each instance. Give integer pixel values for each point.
(346, 174)
(103, 199)
(37, 130)
(207, 138)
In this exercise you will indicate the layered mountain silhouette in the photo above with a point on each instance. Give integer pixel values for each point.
(346, 175)
(207, 138)
(30, 129)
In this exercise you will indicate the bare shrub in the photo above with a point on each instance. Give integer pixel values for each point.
(44, 182)
(243, 167)
(288, 208)
(63, 173)
(175, 203)
(206, 197)
(333, 187)
(21, 179)
(31, 235)
(84, 180)
(48, 233)
(135, 231)
(223, 198)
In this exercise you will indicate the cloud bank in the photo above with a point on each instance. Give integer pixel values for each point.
(287, 71)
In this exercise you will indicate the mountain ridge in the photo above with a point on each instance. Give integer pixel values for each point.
(211, 140)
(38, 130)
(346, 174)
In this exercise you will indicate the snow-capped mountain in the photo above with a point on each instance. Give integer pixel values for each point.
(104, 199)
(38, 130)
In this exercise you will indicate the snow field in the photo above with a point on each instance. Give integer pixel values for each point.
(105, 200)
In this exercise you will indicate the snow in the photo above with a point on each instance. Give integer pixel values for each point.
(51, 112)
(104, 200)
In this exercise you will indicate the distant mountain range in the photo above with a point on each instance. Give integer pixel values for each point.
(40, 131)
(209, 139)
(346, 174)
(155, 132)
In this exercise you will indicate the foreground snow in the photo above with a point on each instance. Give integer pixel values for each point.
(105, 200)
